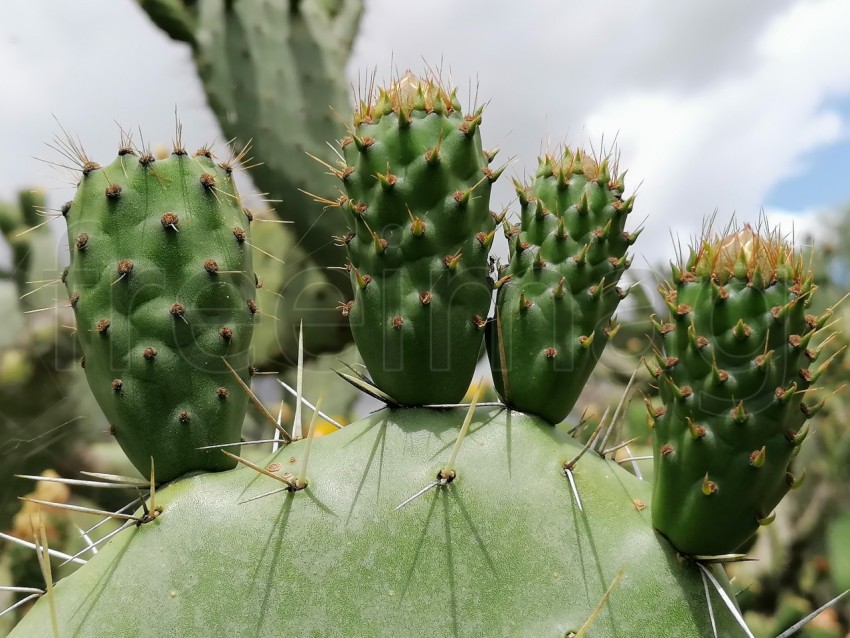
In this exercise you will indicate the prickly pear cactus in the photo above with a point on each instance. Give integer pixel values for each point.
(417, 192)
(162, 288)
(559, 291)
(504, 549)
(736, 387)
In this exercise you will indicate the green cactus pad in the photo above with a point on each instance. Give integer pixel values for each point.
(502, 550)
(557, 295)
(734, 379)
(162, 288)
(417, 191)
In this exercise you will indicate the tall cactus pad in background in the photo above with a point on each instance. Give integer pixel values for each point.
(417, 192)
(735, 382)
(557, 295)
(163, 291)
(274, 73)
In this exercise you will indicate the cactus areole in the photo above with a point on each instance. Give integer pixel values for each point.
(416, 200)
(734, 378)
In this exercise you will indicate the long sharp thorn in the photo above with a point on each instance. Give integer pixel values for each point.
(301, 481)
(265, 494)
(574, 488)
(114, 478)
(66, 481)
(129, 505)
(324, 415)
(153, 488)
(633, 460)
(276, 437)
(598, 610)
(87, 539)
(32, 292)
(624, 444)
(417, 495)
(449, 469)
(297, 431)
(21, 590)
(617, 411)
(93, 548)
(797, 627)
(23, 601)
(727, 601)
(47, 572)
(259, 469)
(259, 404)
(223, 445)
(81, 508)
(708, 602)
(367, 388)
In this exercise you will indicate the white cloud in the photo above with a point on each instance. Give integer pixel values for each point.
(724, 147)
(712, 103)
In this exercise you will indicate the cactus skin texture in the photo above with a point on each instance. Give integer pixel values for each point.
(417, 191)
(733, 379)
(502, 550)
(162, 288)
(557, 295)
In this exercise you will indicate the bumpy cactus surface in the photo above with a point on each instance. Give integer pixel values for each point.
(734, 378)
(417, 192)
(163, 291)
(559, 291)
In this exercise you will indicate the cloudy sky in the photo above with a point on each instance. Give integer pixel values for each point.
(715, 105)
